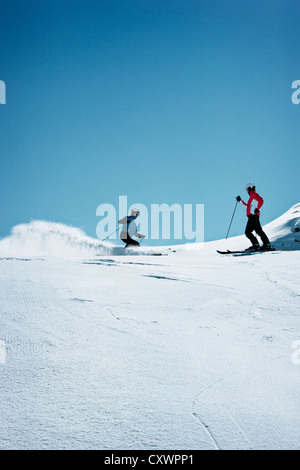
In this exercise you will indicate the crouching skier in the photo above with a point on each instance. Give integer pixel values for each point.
(253, 212)
(129, 229)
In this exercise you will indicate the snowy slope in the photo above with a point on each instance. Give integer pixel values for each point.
(187, 351)
(284, 233)
(42, 238)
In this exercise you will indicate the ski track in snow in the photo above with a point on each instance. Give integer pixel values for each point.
(216, 342)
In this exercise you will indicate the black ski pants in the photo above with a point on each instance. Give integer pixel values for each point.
(254, 225)
(129, 241)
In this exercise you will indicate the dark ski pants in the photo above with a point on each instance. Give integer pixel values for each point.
(254, 225)
(129, 241)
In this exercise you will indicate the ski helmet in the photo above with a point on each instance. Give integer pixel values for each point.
(250, 186)
(135, 211)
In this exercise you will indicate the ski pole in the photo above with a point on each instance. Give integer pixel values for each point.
(111, 234)
(231, 219)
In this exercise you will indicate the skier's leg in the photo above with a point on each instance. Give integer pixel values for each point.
(131, 242)
(261, 233)
(249, 229)
(124, 240)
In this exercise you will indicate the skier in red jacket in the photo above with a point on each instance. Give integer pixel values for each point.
(253, 212)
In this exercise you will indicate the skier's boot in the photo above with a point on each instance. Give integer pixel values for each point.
(266, 247)
(254, 247)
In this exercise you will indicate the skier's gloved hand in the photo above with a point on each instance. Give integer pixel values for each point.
(256, 212)
(238, 198)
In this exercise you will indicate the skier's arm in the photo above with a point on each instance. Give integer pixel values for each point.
(123, 221)
(239, 199)
(135, 232)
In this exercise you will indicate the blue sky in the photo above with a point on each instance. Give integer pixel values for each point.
(176, 101)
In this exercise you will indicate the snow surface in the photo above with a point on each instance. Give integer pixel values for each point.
(191, 350)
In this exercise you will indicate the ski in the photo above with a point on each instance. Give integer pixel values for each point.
(228, 252)
(244, 252)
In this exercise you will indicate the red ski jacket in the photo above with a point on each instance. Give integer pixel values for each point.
(255, 202)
